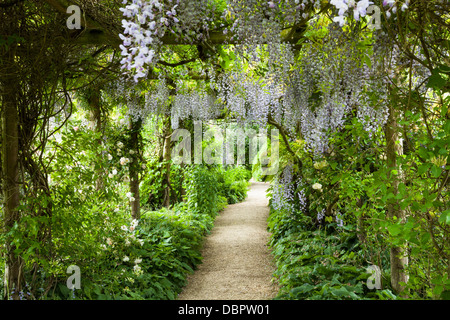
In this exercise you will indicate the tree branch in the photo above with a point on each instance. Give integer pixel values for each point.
(284, 135)
(168, 64)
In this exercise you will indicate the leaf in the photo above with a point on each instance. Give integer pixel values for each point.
(436, 81)
(303, 289)
(340, 292)
(445, 295)
(423, 168)
(395, 229)
(402, 188)
(436, 171)
(445, 217)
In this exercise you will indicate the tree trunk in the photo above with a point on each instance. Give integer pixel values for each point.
(96, 111)
(135, 128)
(398, 254)
(167, 157)
(10, 169)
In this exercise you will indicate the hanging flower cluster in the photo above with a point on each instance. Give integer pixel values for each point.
(361, 7)
(145, 23)
(283, 192)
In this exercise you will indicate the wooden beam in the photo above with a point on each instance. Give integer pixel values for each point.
(93, 33)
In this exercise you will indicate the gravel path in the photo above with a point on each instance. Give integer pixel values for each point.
(237, 264)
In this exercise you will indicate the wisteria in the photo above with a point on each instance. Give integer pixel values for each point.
(140, 34)
(145, 23)
(196, 104)
(316, 97)
(358, 9)
(283, 192)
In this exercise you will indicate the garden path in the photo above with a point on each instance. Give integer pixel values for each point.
(237, 263)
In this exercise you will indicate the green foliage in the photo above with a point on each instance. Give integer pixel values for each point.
(233, 183)
(356, 184)
(209, 189)
(91, 227)
(318, 264)
(201, 187)
(149, 259)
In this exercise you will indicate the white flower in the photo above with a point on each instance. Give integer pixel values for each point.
(340, 5)
(114, 171)
(141, 241)
(124, 161)
(132, 199)
(109, 157)
(361, 9)
(110, 175)
(388, 2)
(137, 261)
(124, 228)
(132, 152)
(125, 259)
(317, 186)
(120, 144)
(109, 241)
(320, 165)
(340, 19)
(137, 269)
